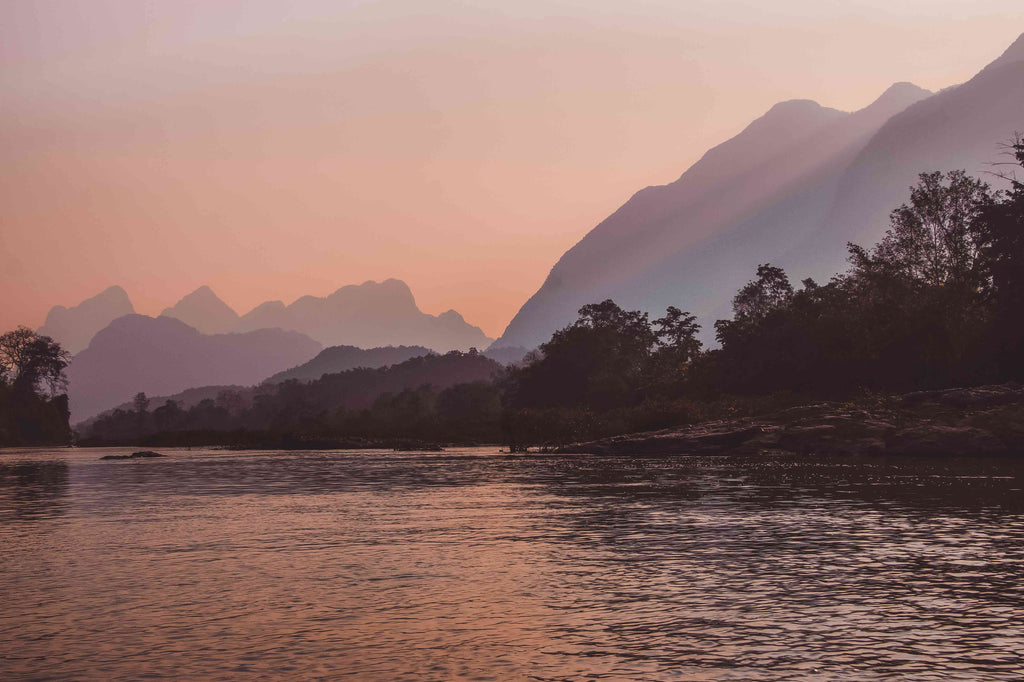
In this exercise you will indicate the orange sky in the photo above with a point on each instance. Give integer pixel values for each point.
(273, 149)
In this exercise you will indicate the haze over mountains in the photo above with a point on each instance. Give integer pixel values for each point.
(161, 356)
(368, 315)
(203, 310)
(201, 340)
(790, 189)
(74, 327)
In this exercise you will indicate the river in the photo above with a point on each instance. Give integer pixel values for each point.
(476, 565)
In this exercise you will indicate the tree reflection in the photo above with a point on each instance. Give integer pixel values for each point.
(33, 490)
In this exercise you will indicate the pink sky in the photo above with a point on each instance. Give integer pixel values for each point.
(274, 149)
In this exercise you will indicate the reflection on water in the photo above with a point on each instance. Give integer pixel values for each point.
(32, 489)
(477, 565)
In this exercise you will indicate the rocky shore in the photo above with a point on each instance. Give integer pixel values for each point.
(979, 421)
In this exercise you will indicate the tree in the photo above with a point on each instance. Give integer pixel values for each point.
(932, 240)
(600, 360)
(140, 403)
(677, 334)
(30, 367)
(754, 303)
(770, 291)
(1000, 225)
(29, 362)
(677, 347)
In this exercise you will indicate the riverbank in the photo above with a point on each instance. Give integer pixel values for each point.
(979, 421)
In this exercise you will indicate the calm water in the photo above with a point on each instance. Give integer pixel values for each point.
(474, 565)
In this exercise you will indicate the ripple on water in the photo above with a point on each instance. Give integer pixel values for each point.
(477, 565)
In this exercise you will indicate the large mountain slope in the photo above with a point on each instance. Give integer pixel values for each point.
(161, 356)
(368, 315)
(791, 189)
(74, 327)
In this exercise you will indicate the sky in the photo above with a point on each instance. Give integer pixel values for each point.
(277, 149)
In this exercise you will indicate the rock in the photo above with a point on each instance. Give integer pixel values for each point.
(1006, 423)
(141, 454)
(974, 397)
(973, 422)
(939, 439)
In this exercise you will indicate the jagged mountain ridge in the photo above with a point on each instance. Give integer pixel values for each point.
(203, 310)
(74, 327)
(368, 315)
(694, 242)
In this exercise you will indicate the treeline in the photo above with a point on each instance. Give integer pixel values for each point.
(33, 398)
(451, 398)
(938, 302)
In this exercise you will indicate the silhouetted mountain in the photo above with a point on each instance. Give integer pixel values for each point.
(203, 310)
(163, 356)
(791, 189)
(959, 128)
(1013, 54)
(341, 358)
(74, 327)
(368, 315)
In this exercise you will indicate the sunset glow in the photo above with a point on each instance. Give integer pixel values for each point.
(273, 150)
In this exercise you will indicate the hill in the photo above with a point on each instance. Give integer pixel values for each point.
(368, 315)
(203, 310)
(432, 396)
(74, 327)
(162, 355)
(791, 189)
(341, 358)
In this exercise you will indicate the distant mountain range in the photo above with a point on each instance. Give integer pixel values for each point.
(160, 356)
(74, 327)
(791, 189)
(202, 341)
(369, 315)
(203, 310)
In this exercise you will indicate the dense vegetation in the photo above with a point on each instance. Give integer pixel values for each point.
(937, 302)
(448, 397)
(33, 401)
(341, 358)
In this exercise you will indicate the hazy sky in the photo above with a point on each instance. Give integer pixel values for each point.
(273, 149)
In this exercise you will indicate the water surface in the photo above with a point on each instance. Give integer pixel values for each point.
(472, 564)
